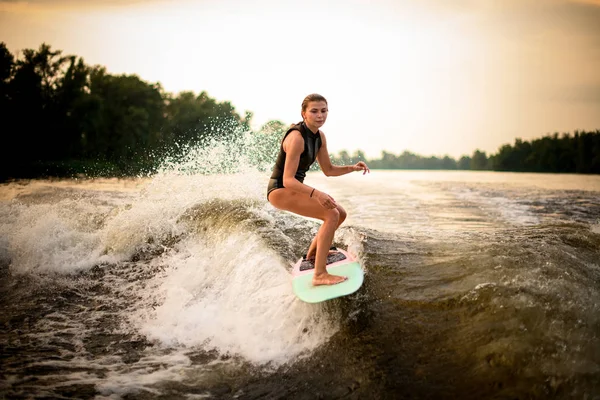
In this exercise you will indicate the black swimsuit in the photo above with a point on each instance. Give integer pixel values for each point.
(312, 144)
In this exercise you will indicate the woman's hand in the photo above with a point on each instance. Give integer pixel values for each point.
(361, 166)
(325, 200)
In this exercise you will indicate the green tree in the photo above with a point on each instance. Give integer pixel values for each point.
(194, 119)
(32, 92)
(479, 160)
(126, 118)
(464, 163)
(7, 62)
(449, 163)
(71, 91)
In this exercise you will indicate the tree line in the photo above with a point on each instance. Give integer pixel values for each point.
(566, 153)
(62, 117)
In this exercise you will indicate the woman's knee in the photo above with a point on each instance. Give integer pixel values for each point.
(343, 214)
(332, 215)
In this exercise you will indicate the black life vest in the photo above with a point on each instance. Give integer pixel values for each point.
(312, 144)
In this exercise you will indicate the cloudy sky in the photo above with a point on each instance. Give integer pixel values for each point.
(430, 76)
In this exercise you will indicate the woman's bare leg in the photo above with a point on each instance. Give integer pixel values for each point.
(286, 199)
(324, 240)
(312, 249)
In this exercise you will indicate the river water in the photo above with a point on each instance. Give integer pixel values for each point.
(477, 285)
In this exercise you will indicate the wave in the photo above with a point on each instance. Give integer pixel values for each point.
(192, 263)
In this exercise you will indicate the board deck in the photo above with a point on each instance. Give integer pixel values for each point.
(348, 267)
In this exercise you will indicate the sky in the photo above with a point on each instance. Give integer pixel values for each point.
(435, 77)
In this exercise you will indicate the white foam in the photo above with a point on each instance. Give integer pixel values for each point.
(75, 234)
(50, 237)
(232, 294)
(221, 288)
(112, 378)
(121, 381)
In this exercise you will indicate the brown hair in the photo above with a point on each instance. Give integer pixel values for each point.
(312, 97)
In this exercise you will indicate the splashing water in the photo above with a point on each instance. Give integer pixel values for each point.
(184, 262)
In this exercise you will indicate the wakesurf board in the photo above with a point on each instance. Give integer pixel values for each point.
(339, 262)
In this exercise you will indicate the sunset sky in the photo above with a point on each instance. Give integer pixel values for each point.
(430, 76)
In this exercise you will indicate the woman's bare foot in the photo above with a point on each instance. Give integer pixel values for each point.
(327, 279)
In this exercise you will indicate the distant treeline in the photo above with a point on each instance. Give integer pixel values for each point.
(577, 153)
(61, 117)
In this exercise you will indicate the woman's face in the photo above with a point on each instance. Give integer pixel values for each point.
(315, 114)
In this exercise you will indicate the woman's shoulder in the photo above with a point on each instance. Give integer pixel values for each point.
(294, 139)
(295, 127)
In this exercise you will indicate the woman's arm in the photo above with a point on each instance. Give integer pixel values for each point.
(336, 170)
(293, 145)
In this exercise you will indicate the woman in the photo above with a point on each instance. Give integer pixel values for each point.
(301, 145)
